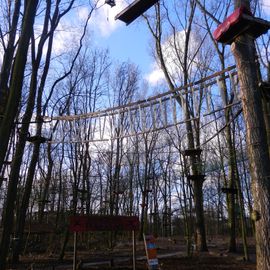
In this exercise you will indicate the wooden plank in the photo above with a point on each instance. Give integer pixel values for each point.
(134, 10)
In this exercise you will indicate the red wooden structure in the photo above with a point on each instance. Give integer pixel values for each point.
(241, 21)
(103, 223)
(84, 223)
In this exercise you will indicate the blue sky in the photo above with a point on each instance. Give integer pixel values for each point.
(130, 43)
(125, 43)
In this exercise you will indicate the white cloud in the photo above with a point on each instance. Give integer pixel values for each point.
(68, 32)
(155, 76)
(103, 20)
(266, 6)
(82, 13)
(66, 36)
(172, 50)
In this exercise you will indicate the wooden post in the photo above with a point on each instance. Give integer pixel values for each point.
(134, 250)
(151, 252)
(75, 251)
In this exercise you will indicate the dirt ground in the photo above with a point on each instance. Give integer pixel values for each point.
(171, 251)
(205, 262)
(202, 262)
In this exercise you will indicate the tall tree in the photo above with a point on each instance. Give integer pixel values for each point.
(227, 101)
(244, 51)
(17, 77)
(181, 46)
(9, 50)
(10, 113)
(35, 97)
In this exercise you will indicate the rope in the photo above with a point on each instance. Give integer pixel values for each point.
(143, 116)
(147, 102)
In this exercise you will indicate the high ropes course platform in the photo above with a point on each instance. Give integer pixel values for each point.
(160, 112)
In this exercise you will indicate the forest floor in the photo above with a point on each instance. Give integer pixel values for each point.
(171, 253)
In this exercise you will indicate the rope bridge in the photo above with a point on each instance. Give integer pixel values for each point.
(160, 112)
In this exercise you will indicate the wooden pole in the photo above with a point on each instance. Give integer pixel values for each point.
(134, 249)
(75, 251)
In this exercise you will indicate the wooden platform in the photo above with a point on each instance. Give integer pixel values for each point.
(241, 21)
(37, 139)
(196, 177)
(192, 152)
(7, 162)
(134, 10)
(229, 190)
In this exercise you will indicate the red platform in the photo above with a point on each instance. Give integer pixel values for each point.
(241, 21)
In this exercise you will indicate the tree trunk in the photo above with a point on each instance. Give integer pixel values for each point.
(243, 49)
(196, 165)
(232, 167)
(21, 215)
(7, 123)
(17, 80)
(8, 58)
(47, 181)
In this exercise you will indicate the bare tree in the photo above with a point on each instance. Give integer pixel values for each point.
(47, 33)
(244, 51)
(10, 113)
(184, 59)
